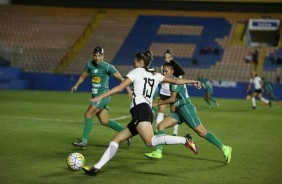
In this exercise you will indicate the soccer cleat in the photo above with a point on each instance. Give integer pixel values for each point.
(269, 104)
(79, 143)
(157, 154)
(129, 142)
(227, 153)
(190, 144)
(90, 170)
(253, 107)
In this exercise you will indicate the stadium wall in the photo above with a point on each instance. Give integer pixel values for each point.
(16, 78)
(64, 82)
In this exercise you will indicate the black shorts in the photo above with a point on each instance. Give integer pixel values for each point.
(163, 97)
(258, 91)
(139, 113)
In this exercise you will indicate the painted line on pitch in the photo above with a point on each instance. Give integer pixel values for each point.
(48, 119)
(120, 118)
(35, 118)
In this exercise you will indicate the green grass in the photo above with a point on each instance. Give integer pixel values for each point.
(37, 128)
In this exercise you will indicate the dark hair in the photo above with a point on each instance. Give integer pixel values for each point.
(168, 51)
(178, 71)
(99, 50)
(147, 57)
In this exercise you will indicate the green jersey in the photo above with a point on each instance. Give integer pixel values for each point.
(100, 75)
(182, 97)
(268, 85)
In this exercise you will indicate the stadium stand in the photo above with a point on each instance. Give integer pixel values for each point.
(37, 38)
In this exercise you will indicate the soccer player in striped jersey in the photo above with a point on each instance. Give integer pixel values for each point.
(144, 82)
(186, 112)
(258, 84)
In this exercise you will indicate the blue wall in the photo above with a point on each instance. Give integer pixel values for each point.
(222, 89)
(16, 78)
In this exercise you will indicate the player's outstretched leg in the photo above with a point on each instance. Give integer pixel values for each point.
(227, 150)
(90, 170)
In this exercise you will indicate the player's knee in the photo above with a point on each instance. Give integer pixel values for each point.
(87, 115)
(201, 133)
(104, 123)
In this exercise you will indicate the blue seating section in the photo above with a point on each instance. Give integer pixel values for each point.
(272, 62)
(145, 32)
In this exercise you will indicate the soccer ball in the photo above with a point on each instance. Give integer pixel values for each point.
(75, 161)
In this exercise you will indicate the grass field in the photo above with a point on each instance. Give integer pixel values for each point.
(37, 127)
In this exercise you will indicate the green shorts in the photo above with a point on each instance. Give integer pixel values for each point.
(188, 114)
(209, 90)
(103, 104)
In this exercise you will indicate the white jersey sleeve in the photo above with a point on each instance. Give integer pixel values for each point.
(144, 85)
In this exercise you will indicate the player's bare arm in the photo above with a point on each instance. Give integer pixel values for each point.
(170, 100)
(124, 84)
(197, 84)
(79, 81)
(120, 78)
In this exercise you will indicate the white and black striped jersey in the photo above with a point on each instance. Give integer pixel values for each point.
(144, 85)
(257, 82)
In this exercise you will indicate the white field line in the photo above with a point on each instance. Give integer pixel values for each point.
(49, 119)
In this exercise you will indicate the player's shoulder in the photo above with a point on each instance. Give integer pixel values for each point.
(106, 64)
(138, 70)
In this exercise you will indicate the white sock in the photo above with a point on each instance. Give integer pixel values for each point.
(167, 139)
(108, 154)
(175, 129)
(159, 119)
(264, 100)
(254, 101)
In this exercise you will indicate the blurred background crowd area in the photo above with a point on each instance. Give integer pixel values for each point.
(219, 39)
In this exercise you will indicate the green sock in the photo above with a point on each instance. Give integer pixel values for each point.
(155, 109)
(208, 101)
(214, 140)
(160, 146)
(212, 100)
(87, 129)
(115, 125)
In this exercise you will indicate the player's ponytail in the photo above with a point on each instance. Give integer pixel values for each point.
(147, 57)
(178, 71)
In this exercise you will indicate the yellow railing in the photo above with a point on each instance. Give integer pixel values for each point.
(259, 68)
(80, 42)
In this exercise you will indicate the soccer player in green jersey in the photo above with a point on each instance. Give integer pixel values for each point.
(268, 86)
(186, 112)
(207, 86)
(164, 93)
(100, 73)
